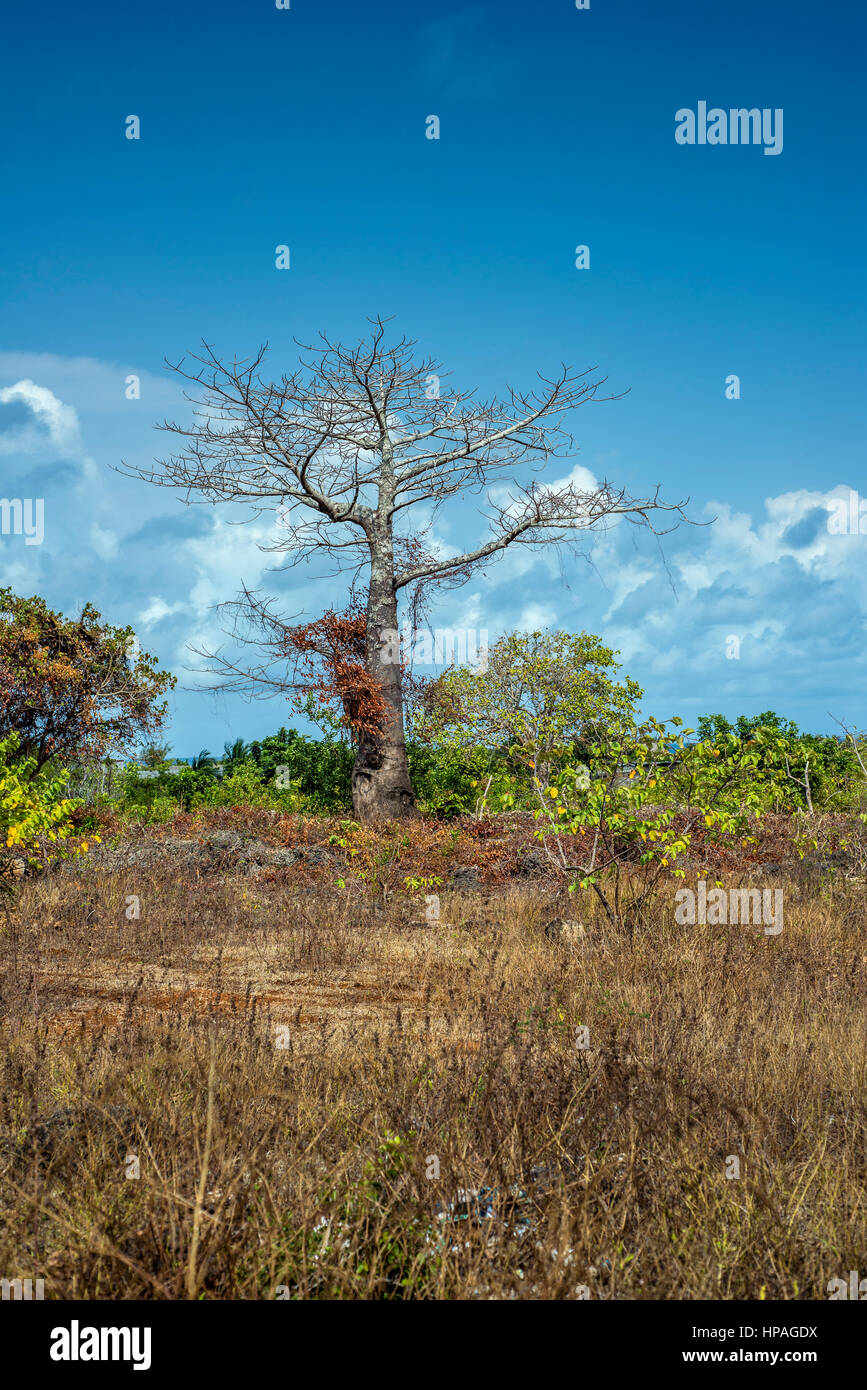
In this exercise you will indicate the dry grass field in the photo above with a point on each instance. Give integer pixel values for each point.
(271, 1085)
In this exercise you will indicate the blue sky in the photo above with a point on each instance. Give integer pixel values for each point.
(306, 127)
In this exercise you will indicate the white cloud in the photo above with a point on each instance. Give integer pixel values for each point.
(157, 611)
(535, 617)
(51, 423)
(97, 388)
(793, 592)
(105, 543)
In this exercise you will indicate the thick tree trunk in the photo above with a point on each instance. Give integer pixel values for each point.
(381, 786)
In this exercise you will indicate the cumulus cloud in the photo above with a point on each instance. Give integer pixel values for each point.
(776, 577)
(793, 593)
(105, 543)
(33, 419)
(97, 388)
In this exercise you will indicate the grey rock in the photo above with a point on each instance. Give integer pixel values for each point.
(772, 870)
(256, 851)
(533, 863)
(465, 876)
(566, 932)
(318, 855)
(816, 865)
(224, 839)
(222, 851)
(284, 858)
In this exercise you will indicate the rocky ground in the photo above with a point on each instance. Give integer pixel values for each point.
(465, 854)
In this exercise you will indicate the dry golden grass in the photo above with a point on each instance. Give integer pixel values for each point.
(287, 1061)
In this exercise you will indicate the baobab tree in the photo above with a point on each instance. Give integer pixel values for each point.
(351, 448)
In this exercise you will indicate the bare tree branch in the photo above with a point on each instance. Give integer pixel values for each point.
(336, 444)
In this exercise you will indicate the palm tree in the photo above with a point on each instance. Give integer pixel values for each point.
(203, 761)
(234, 754)
(154, 754)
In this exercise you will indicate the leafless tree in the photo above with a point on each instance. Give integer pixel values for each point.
(347, 446)
(856, 738)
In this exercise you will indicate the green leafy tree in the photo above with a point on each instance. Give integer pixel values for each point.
(451, 782)
(319, 769)
(73, 689)
(543, 697)
(713, 726)
(235, 755)
(617, 825)
(154, 755)
(794, 770)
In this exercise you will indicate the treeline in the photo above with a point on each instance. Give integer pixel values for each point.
(79, 696)
(293, 771)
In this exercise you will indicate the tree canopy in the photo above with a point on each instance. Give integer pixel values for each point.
(74, 688)
(542, 692)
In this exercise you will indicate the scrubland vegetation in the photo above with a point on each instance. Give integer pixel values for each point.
(256, 1048)
(328, 1095)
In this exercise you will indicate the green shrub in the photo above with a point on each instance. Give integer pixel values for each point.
(246, 787)
(790, 762)
(34, 813)
(317, 770)
(450, 784)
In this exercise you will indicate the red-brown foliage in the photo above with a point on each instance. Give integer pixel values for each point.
(332, 666)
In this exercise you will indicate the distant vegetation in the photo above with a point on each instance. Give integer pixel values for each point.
(546, 725)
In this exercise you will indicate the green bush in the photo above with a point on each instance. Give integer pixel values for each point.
(291, 772)
(449, 784)
(790, 761)
(35, 815)
(247, 787)
(156, 799)
(319, 770)
(285, 771)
